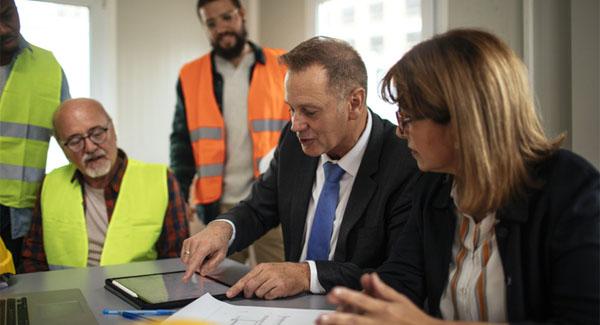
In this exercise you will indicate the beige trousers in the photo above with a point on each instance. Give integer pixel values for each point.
(268, 248)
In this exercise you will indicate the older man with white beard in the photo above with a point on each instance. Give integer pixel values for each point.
(131, 211)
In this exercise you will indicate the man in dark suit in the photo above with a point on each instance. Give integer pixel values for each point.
(326, 89)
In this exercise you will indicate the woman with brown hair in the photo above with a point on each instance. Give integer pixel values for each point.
(505, 226)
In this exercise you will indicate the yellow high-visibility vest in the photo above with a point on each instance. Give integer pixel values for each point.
(29, 99)
(6, 260)
(134, 228)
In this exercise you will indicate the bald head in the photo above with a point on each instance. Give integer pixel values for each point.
(77, 108)
(86, 134)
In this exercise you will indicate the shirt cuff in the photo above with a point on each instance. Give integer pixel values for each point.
(315, 285)
(232, 226)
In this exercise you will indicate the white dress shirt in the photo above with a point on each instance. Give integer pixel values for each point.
(475, 290)
(350, 163)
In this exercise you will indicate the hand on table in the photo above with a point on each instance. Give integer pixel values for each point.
(204, 251)
(273, 280)
(377, 304)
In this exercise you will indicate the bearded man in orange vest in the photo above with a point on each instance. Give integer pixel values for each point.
(229, 114)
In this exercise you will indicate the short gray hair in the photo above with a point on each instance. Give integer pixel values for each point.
(344, 67)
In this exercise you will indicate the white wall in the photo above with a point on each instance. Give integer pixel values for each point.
(502, 17)
(552, 81)
(559, 41)
(154, 39)
(283, 23)
(585, 74)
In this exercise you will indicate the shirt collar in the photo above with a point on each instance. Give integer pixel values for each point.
(515, 210)
(259, 55)
(116, 181)
(248, 59)
(350, 162)
(23, 45)
(485, 223)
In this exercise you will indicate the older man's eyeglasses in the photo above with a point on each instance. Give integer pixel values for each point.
(404, 121)
(225, 18)
(97, 135)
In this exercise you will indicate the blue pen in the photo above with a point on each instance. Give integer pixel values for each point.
(137, 317)
(156, 312)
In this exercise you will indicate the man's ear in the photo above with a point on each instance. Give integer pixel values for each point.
(242, 11)
(356, 101)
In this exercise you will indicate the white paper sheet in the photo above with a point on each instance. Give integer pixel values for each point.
(207, 308)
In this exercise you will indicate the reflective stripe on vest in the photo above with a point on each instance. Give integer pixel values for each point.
(268, 125)
(30, 97)
(24, 131)
(206, 134)
(20, 173)
(134, 228)
(267, 114)
(210, 170)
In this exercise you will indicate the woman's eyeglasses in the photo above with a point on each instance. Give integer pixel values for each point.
(404, 121)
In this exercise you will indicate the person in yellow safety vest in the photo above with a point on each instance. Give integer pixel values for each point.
(32, 85)
(131, 211)
(229, 114)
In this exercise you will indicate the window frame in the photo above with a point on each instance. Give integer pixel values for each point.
(433, 20)
(103, 53)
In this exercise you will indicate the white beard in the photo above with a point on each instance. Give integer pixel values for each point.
(98, 168)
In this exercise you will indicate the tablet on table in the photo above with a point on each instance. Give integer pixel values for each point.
(164, 290)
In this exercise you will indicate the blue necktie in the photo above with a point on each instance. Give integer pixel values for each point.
(320, 233)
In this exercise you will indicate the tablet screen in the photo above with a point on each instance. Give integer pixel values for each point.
(158, 288)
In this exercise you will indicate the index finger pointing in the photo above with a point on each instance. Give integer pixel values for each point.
(195, 262)
(236, 289)
(241, 284)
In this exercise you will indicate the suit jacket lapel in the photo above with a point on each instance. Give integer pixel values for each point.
(509, 238)
(442, 219)
(363, 189)
(302, 188)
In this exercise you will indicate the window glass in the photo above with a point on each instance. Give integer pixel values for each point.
(380, 30)
(348, 15)
(413, 7)
(413, 38)
(64, 30)
(377, 44)
(376, 11)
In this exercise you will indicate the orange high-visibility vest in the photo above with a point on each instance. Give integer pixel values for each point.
(267, 114)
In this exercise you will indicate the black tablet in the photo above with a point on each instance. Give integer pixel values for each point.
(164, 290)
